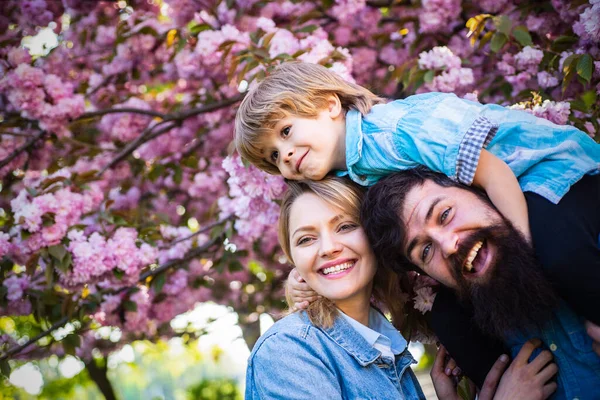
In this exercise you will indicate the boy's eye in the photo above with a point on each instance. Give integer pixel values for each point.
(285, 131)
(347, 227)
(274, 156)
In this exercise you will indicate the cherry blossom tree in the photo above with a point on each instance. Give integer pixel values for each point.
(122, 203)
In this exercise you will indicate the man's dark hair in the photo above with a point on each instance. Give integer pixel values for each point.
(381, 214)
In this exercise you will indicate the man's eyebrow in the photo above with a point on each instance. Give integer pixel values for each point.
(415, 240)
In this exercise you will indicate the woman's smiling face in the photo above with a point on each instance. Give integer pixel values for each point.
(330, 250)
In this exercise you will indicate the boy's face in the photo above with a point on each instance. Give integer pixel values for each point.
(309, 148)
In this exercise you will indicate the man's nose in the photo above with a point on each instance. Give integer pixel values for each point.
(448, 242)
(329, 246)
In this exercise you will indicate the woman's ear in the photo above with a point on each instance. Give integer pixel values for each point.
(334, 106)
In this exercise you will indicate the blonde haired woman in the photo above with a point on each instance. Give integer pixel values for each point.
(341, 346)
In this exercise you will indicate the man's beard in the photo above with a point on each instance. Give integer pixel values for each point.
(513, 295)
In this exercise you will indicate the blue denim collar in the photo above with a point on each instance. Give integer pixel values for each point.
(345, 336)
(354, 137)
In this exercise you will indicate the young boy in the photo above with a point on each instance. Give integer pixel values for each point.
(304, 121)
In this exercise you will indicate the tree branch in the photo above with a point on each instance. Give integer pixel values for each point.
(34, 339)
(199, 232)
(22, 148)
(193, 253)
(176, 119)
(98, 113)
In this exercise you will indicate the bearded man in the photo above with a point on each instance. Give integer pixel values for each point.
(424, 221)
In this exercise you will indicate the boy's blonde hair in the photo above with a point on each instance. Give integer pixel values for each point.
(347, 196)
(293, 88)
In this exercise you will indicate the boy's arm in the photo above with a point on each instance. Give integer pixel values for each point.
(502, 187)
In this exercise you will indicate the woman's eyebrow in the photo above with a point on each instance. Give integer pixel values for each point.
(307, 228)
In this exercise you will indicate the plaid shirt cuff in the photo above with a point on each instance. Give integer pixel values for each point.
(478, 136)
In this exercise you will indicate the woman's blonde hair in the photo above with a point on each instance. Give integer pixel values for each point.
(293, 88)
(344, 194)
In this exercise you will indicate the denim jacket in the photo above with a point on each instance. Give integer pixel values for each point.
(565, 336)
(446, 134)
(296, 360)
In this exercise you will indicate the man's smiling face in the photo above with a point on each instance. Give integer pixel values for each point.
(448, 233)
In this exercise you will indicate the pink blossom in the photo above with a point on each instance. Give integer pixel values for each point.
(344, 9)
(18, 55)
(176, 283)
(438, 58)
(529, 59)
(15, 286)
(438, 15)
(546, 80)
(424, 299)
(555, 111)
(589, 22)
(126, 126)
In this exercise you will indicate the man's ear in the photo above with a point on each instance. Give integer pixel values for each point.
(334, 105)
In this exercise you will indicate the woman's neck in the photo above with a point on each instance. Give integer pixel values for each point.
(357, 309)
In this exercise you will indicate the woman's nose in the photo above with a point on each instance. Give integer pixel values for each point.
(329, 246)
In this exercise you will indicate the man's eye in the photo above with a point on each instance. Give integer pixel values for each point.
(425, 252)
(274, 156)
(285, 131)
(445, 215)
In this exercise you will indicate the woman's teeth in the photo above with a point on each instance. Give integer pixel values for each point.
(472, 255)
(337, 268)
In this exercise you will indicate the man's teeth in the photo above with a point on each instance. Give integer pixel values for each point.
(472, 255)
(337, 268)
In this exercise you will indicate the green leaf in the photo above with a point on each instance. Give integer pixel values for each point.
(521, 34)
(585, 67)
(129, 305)
(429, 75)
(589, 98)
(58, 252)
(498, 41)
(503, 24)
(157, 170)
(563, 43)
(178, 175)
(118, 273)
(307, 29)
(158, 282)
(568, 61)
(190, 162)
(70, 343)
(5, 368)
(65, 263)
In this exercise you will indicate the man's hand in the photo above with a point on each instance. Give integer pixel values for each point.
(444, 374)
(523, 379)
(594, 331)
(297, 292)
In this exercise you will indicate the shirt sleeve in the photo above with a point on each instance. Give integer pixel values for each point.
(446, 134)
(284, 368)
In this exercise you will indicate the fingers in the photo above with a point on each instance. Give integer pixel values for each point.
(493, 377)
(296, 276)
(548, 389)
(547, 373)
(526, 351)
(440, 356)
(302, 305)
(541, 360)
(594, 332)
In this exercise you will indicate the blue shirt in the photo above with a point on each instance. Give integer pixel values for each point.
(380, 334)
(446, 134)
(296, 360)
(578, 365)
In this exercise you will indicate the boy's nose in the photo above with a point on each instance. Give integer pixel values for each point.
(287, 155)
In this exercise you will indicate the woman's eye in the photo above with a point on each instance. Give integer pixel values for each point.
(445, 215)
(285, 131)
(425, 252)
(347, 227)
(303, 240)
(274, 156)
